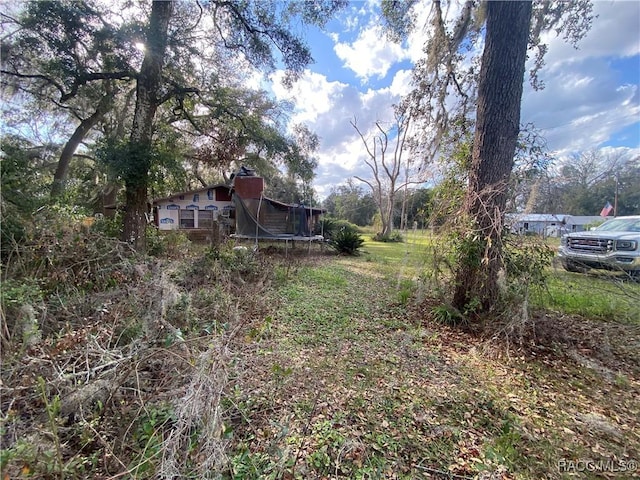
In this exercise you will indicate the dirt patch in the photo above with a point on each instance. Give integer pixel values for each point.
(605, 347)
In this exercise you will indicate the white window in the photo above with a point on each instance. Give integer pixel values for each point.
(187, 219)
(205, 219)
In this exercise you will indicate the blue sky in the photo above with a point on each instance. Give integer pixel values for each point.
(591, 100)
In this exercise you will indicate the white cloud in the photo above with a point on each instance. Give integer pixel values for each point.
(356, 14)
(422, 12)
(328, 108)
(584, 104)
(313, 95)
(609, 153)
(371, 54)
(580, 116)
(613, 33)
(620, 152)
(401, 83)
(254, 80)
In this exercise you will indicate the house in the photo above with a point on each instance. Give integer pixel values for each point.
(549, 225)
(580, 223)
(240, 209)
(195, 209)
(258, 216)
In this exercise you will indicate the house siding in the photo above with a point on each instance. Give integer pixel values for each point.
(552, 225)
(181, 211)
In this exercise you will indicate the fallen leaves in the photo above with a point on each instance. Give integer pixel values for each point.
(340, 383)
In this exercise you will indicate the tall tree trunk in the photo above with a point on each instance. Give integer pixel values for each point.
(384, 212)
(390, 206)
(403, 212)
(140, 144)
(498, 124)
(62, 170)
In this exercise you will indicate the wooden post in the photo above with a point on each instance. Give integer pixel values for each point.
(615, 199)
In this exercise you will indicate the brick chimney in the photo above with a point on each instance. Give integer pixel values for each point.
(247, 187)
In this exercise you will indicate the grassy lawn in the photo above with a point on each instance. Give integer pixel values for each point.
(351, 379)
(595, 295)
(400, 261)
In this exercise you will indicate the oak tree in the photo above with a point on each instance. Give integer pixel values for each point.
(168, 54)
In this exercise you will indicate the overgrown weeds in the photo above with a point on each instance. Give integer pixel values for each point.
(122, 358)
(393, 237)
(347, 387)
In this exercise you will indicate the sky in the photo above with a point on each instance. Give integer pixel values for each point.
(591, 99)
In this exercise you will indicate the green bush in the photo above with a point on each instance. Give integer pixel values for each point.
(222, 264)
(13, 231)
(393, 237)
(25, 190)
(329, 227)
(346, 241)
(109, 226)
(170, 243)
(447, 315)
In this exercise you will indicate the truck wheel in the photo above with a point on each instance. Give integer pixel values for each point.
(574, 267)
(634, 275)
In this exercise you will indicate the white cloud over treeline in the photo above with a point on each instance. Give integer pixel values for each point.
(588, 97)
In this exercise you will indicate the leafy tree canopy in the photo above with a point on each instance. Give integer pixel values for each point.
(80, 61)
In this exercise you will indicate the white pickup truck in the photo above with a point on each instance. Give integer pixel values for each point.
(614, 245)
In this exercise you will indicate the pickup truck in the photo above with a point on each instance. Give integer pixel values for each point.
(614, 245)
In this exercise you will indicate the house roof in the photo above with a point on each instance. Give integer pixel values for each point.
(536, 217)
(584, 219)
(191, 192)
(286, 206)
(553, 218)
(276, 203)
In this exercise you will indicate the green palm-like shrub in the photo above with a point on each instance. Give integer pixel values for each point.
(329, 227)
(346, 241)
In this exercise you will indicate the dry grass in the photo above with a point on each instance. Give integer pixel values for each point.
(125, 380)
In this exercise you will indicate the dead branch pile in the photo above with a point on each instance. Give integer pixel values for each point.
(123, 369)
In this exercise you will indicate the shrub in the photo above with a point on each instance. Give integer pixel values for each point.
(346, 241)
(170, 243)
(447, 315)
(393, 237)
(329, 227)
(109, 226)
(13, 231)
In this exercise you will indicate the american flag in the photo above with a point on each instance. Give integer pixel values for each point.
(606, 210)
